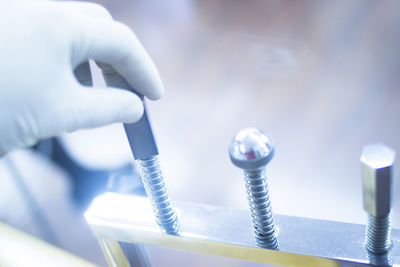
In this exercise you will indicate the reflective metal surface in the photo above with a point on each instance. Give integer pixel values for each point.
(377, 173)
(157, 192)
(251, 148)
(140, 134)
(227, 232)
(377, 168)
(260, 208)
(136, 255)
(144, 149)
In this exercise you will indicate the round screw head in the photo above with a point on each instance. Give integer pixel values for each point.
(251, 148)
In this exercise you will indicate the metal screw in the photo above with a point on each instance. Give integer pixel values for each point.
(144, 149)
(377, 167)
(251, 150)
(156, 190)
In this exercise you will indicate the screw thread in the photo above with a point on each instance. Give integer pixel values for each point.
(260, 208)
(379, 260)
(156, 190)
(378, 234)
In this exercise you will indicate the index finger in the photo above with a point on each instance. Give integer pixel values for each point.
(113, 43)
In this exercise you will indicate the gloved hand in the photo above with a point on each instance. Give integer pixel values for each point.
(41, 43)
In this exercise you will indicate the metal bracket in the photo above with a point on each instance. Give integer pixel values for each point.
(228, 232)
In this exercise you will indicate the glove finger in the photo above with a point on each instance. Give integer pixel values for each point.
(100, 106)
(90, 9)
(83, 75)
(115, 44)
(114, 79)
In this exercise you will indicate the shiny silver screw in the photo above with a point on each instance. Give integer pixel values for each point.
(377, 171)
(156, 190)
(251, 150)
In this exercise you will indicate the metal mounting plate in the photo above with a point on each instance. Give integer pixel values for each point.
(228, 232)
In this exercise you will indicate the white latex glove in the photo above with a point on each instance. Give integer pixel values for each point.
(41, 43)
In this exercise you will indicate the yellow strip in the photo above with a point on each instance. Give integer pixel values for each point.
(194, 244)
(20, 249)
(112, 251)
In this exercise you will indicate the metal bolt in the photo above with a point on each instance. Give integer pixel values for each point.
(144, 149)
(251, 150)
(377, 167)
(156, 190)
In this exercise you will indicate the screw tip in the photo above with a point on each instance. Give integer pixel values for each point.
(251, 148)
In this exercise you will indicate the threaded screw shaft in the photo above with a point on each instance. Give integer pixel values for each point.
(156, 190)
(377, 238)
(251, 150)
(379, 260)
(260, 208)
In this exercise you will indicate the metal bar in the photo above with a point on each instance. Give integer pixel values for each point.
(113, 253)
(141, 137)
(227, 232)
(21, 249)
(136, 254)
(140, 134)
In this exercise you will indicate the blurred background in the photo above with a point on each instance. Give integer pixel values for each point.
(321, 77)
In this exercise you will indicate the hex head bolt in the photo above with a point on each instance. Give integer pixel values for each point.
(251, 150)
(377, 167)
